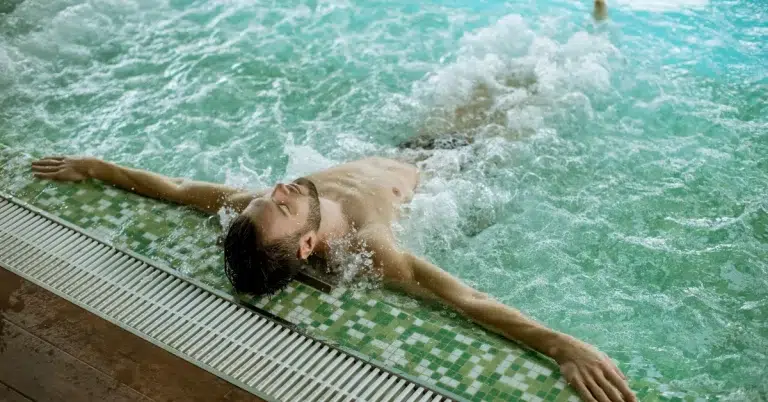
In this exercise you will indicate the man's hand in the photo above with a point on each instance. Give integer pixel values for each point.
(207, 197)
(61, 168)
(592, 373)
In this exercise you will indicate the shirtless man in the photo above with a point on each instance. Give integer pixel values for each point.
(281, 227)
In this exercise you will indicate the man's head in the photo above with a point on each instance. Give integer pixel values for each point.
(266, 244)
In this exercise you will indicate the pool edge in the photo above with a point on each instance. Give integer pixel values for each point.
(217, 293)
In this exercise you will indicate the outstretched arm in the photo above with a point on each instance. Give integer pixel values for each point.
(207, 197)
(590, 372)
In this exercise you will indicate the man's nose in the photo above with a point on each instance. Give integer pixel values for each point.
(281, 190)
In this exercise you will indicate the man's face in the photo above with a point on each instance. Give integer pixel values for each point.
(288, 210)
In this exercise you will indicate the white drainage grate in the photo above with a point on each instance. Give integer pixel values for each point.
(201, 325)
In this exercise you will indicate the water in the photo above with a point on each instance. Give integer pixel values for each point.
(616, 190)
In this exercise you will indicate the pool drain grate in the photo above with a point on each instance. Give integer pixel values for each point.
(201, 325)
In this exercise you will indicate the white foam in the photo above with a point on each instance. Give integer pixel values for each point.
(303, 160)
(526, 78)
(7, 69)
(662, 5)
(245, 177)
(524, 73)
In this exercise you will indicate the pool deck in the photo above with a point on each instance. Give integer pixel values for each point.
(53, 350)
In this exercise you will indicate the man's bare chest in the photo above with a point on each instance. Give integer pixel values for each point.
(366, 201)
(370, 190)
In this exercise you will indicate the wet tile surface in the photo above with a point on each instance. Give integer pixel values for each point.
(422, 342)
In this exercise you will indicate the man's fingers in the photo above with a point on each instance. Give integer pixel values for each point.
(40, 175)
(621, 384)
(47, 162)
(578, 383)
(619, 373)
(609, 389)
(615, 368)
(45, 169)
(55, 157)
(597, 391)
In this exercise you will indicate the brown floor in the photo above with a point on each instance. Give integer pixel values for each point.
(53, 350)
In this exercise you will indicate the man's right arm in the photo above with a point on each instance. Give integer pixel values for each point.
(207, 197)
(590, 372)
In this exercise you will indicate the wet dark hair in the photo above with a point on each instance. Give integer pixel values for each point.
(253, 266)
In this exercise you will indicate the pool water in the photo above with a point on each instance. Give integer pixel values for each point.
(615, 190)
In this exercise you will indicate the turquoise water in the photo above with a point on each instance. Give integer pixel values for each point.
(616, 189)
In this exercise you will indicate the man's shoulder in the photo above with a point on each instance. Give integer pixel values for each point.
(375, 236)
(385, 253)
(360, 172)
(377, 162)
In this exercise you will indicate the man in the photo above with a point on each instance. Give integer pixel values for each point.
(279, 228)
(600, 11)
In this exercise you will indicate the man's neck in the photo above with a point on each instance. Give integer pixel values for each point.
(333, 224)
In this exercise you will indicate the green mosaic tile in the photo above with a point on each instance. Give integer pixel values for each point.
(420, 341)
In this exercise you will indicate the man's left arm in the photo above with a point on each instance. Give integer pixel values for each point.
(589, 371)
(207, 197)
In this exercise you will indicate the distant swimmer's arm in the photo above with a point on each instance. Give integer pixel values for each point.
(589, 371)
(600, 11)
(207, 197)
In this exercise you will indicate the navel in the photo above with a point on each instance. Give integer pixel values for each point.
(396, 191)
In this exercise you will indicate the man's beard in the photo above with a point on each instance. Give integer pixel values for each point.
(313, 220)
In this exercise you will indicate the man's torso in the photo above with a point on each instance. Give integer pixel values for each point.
(369, 190)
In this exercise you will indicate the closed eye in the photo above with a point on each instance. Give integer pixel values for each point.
(282, 207)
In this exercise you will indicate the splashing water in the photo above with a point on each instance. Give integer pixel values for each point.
(615, 188)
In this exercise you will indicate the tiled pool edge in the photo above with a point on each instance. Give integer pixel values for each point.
(448, 355)
(207, 335)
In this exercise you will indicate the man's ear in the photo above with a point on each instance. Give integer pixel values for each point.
(307, 245)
